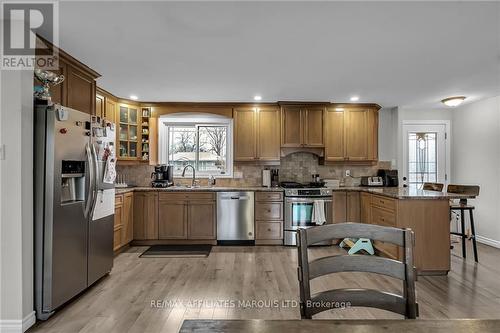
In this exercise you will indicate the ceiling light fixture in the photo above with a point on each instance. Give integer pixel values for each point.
(134, 97)
(257, 98)
(453, 101)
(354, 98)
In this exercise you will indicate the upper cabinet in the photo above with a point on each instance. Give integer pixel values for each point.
(78, 90)
(256, 134)
(105, 105)
(128, 131)
(302, 126)
(351, 133)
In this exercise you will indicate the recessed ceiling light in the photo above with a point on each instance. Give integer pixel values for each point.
(339, 109)
(257, 98)
(354, 98)
(453, 101)
(134, 97)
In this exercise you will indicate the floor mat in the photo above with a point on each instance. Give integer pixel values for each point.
(177, 251)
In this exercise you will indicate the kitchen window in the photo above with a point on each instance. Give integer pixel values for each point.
(205, 142)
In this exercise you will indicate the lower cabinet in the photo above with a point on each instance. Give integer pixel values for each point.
(189, 216)
(346, 206)
(172, 219)
(268, 218)
(124, 219)
(145, 213)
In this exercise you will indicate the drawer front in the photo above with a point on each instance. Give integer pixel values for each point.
(384, 202)
(268, 230)
(118, 199)
(383, 217)
(268, 196)
(269, 211)
(180, 196)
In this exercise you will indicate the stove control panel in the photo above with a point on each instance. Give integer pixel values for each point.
(308, 192)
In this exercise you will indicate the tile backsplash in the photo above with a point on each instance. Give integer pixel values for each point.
(294, 167)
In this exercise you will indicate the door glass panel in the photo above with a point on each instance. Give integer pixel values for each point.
(133, 133)
(422, 158)
(123, 132)
(133, 149)
(133, 116)
(123, 114)
(123, 149)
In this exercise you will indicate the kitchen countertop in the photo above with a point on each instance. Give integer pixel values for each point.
(198, 189)
(391, 192)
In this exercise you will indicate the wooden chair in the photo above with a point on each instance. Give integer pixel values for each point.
(433, 187)
(462, 206)
(405, 305)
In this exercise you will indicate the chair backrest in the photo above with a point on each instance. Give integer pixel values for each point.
(310, 305)
(472, 190)
(433, 187)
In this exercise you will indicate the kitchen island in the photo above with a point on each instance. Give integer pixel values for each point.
(158, 215)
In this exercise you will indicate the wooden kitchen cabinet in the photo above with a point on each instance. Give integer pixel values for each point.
(201, 220)
(110, 110)
(256, 134)
(269, 218)
(128, 218)
(172, 220)
(145, 213)
(346, 206)
(351, 133)
(118, 223)
(81, 90)
(78, 90)
(100, 105)
(187, 216)
(334, 128)
(302, 126)
(124, 219)
(365, 207)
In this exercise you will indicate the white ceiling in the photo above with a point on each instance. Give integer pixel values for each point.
(394, 54)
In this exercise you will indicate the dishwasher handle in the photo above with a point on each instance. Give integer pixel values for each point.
(243, 197)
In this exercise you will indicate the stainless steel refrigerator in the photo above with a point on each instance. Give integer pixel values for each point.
(74, 208)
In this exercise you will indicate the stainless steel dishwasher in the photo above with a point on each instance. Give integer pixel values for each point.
(235, 218)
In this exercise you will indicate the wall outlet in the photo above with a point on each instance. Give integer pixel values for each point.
(238, 174)
(348, 173)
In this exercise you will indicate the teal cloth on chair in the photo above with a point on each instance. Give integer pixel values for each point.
(360, 244)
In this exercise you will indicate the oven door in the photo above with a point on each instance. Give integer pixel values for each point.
(298, 214)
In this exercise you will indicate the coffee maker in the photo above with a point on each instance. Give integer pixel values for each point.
(163, 176)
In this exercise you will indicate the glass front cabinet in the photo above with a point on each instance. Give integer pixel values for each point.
(133, 132)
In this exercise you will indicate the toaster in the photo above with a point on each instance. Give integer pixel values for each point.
(372, 181)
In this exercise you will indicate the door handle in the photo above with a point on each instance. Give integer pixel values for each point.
(90, 194)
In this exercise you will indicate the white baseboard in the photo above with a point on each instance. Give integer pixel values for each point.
(488, 241)
(18, 326)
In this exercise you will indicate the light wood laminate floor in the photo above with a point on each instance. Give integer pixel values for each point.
(211, 288)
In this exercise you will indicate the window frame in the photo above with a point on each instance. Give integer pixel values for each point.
(197, 121)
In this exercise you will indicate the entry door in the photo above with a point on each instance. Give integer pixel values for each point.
(425, 153)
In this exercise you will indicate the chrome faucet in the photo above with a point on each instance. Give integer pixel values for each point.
(193, 183)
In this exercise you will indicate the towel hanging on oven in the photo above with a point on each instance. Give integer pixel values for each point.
(318, 212)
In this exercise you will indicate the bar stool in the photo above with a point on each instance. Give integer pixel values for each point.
(462, 206)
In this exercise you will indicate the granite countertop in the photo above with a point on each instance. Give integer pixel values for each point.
(405, 193)
(391, 192)
(198, 189)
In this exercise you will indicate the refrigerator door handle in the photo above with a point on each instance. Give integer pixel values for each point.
(90, 195)
(96, 173)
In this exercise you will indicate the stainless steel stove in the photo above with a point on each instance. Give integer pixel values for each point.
(299, 205)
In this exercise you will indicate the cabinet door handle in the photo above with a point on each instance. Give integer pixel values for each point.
(268, 229)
